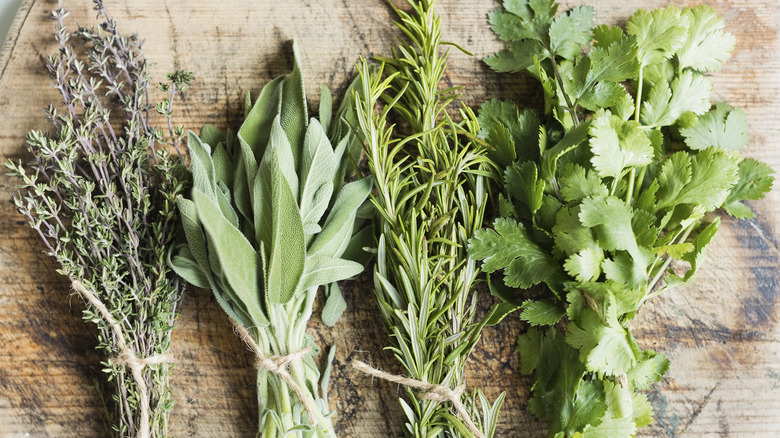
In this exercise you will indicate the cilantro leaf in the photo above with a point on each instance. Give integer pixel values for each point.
(507, 246)
(570, 31)
(707, 45)
(617, 145)
(615, 63)
(578, 184)
(755, 180)
(659, 33)
(713, 172)
(723, 126)
(561, 395)
(688, 92)
(519, 56)
(650, 369)
(585, 265)
(569, 235)
(506, 127)
(541, 312)
(604, 349)
(524, 185)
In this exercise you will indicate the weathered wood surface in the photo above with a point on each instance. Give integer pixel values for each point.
(721, 332)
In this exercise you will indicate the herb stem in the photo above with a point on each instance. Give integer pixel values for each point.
(569, 106)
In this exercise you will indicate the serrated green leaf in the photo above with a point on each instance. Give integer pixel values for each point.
(651, 369)
(713, 172)
(617, 145)
(585, 265)
(523, 184)
(660, 33)
(508, 247)
(571, 31)
(707, 45)
(603, 349)
(723, 126)
(576, 184)
(569, 234)
(665, 104)
(541, 312)
(755, 180)
(519, 56)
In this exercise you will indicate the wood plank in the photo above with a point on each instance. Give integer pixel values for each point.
(720, 332)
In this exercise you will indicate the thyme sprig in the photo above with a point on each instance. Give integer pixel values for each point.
(100, 192)
(431, 192)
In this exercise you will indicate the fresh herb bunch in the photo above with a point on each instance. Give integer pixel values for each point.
(100, 192)
(258, 235)
(431, 184)
(607, 197)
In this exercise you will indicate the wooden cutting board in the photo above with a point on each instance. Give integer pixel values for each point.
(721, 333)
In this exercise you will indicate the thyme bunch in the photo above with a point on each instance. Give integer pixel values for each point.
(431, 183)
(100, 192)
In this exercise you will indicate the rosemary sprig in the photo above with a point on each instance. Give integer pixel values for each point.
(431, 192)
(269, 221)
(99, 192)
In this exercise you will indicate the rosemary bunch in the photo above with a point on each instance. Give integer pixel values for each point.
(100, 193)
(431, 185)
(258, 235)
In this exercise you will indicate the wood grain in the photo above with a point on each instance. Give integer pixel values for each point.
(721, 332)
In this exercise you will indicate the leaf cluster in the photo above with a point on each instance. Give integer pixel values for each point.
(606, 196)
(100, 192)
(269, 220)
(430, 174)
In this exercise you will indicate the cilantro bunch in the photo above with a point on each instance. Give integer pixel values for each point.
(268, 221)
(607, 194)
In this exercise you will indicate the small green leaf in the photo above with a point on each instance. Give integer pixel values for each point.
(541, 312)
(334, 305)
(508, 247)
(229, 244)
(286, 249)
(332, 241)
(323, 270)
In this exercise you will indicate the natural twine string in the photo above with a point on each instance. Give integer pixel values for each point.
(428, 391)
(278, 365)
(127, 357)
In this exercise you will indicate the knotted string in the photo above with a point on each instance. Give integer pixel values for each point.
(428, 391)
(127, 357)
(278, 365)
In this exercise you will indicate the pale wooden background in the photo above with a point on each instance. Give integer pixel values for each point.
(721, 332)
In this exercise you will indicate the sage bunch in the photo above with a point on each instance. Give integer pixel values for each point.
(609, 195)
(431, 177)
(267, 223)
(100, 192)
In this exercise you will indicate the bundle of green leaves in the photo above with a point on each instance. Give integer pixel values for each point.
(430, 197)
(258, 235)
(607, 194)
(100, 193)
